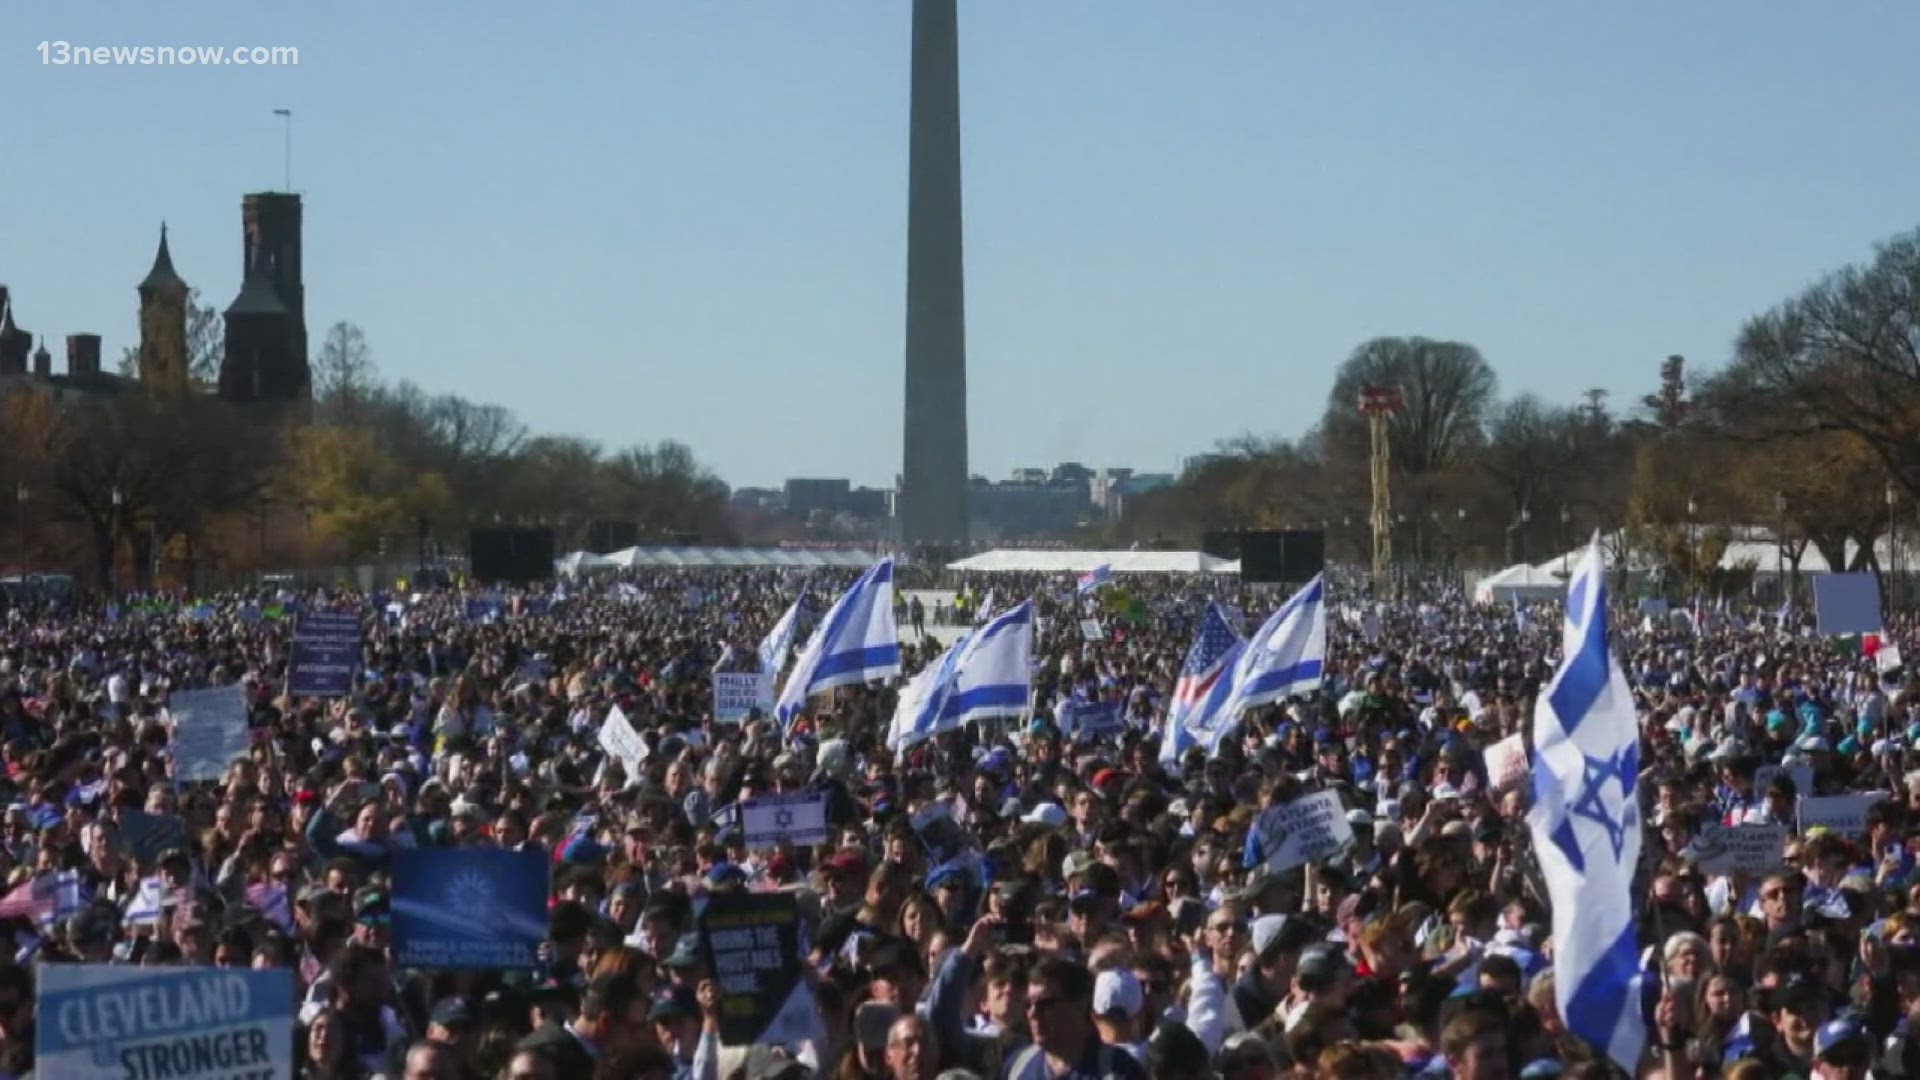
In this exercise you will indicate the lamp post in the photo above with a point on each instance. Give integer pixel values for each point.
(1693, 546)
(20, 521)
(1893, 544)
(113, 539)
(1566, 539)
(1526, 518)
(1780, 542)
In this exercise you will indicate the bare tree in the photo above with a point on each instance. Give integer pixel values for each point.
(1447, 387)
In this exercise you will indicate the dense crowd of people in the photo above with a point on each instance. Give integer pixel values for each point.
(1120, 926)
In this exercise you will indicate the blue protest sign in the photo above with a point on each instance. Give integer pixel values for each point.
(1847, 603)
(1093, 717)
(468, 908)
(324, 655)
(120, 1020)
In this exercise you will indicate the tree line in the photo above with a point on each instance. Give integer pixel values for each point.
(150, 486)
(1809, 430)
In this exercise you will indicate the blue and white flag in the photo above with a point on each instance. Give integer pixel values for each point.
(779, 640)
(1586, 825)
(856, 642)
(1207, 660)
(1286, 656)
(987, 673)
(1096, 577)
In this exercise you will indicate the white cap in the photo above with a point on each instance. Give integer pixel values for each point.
(1359, 817)
(1117, 990)
(1050, 814)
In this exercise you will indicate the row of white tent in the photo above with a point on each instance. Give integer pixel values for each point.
(695, 558)
(1020, 561)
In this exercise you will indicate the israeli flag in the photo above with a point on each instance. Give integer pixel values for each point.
(1586, 825)
(986, 673)
(1101, 574)
(1286, 656)
(779, 640)
(857, 642)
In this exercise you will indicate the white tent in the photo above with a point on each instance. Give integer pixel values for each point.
(1518, 583)
(581, 562)
(1017, 560)
(696, 558)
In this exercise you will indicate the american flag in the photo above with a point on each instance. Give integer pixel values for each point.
(1206, 660)
(1096, 577)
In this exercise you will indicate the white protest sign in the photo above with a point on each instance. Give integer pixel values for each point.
(772, 820)
(1888, 658)
(1507, 763)
(1844, 814)
(620, 741)
(1802, 778)
(1308, 828)
(209, 731)
(737, 693)
(1090, 630)
(1738, 849)
(127, 1020)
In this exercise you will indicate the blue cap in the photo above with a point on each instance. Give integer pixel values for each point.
(725, 873)
(1842, 1029)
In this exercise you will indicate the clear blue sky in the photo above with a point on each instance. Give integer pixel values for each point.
(635, 220)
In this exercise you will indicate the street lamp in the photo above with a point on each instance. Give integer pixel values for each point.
(113, 539)
(1893, 543)
(20, 520)
(1780, 542)
(1693, 545)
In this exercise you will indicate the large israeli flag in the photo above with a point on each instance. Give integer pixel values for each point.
(1286, 656)
(855, 643)
(1586, 825)
(779, 640)
(986, 673)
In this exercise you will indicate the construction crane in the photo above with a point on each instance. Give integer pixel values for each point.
(1379, 404)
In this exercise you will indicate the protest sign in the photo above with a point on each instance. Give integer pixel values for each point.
(1308, 828)
(943, 837)
(1802, 778)
(96, 1020)
(737, 693)
(1738, 849)
(772, 820)
(146, 837)
(1092, 718)
(752, 946)
(1507, 763)
(468, 908)
(1090, 630)
(324, 655)
(620, 741)
(1847, 603)
(1844, 814)
(209, 731)
(1887, 659)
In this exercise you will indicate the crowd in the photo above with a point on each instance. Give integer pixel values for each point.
(1119, 926)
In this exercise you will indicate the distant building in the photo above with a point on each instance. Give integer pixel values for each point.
(163, 325)
(1026, 476)
(266, 357)
(23, 365)
(807, 495)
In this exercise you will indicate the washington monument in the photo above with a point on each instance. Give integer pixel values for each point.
(933, 489)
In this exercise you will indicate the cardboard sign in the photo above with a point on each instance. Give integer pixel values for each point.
(621, 742)
(209, 732)
(1308, 828)
(1738, 849)
(1090, 630)
(1507, 763)
(1844, 814)
(737, 693)
(772, 820)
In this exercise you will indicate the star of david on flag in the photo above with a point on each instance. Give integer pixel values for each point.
(1586, 825)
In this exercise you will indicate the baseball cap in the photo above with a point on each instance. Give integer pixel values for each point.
(1049, 814)
(1266, 932)
(1117, 991)
(1838, 1033)
(1321, 961)
(451, 1013)
(673, 1005)
(686, 953)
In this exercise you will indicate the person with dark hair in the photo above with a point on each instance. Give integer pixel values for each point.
(1066, 1045)
(1176, 1053)
(612, 1012)
(1475, 1045)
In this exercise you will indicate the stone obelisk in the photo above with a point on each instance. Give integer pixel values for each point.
(933, 490)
